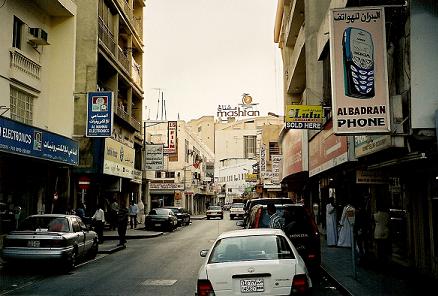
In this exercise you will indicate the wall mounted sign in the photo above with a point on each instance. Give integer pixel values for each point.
(99, 114)
(303, 117)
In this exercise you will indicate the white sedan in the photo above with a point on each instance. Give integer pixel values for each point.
(253, 262)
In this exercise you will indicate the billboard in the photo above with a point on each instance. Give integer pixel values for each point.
(99, 114)
(360, 99)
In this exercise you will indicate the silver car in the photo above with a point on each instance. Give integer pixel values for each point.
(47, 237)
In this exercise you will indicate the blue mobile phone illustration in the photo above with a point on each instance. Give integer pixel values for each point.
(358, 52)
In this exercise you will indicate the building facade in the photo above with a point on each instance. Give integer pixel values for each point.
(37, 149)
(395, 169)
(109, 58)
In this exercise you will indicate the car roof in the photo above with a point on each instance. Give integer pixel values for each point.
(252, 231)
(52, 215)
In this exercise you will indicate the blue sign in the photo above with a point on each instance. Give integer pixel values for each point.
(99, 114)
(18, 138)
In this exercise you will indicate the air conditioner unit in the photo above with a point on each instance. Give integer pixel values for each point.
(38, 36)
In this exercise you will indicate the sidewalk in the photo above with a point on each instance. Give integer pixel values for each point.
(370, 279)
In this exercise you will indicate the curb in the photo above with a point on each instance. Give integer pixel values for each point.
(116, 237)
(339, 286)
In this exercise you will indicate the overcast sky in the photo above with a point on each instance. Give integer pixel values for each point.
(205, 53)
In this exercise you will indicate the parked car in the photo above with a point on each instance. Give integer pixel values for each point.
(253, 262)
(237, 211)
(300, 228)
(50, 237)
(214, 212)
(161, 218)
(182, 215)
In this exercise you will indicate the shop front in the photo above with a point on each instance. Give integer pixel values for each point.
(35, 168)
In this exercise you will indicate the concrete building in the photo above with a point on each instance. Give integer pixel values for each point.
(37, 152)
(186, 178)
(396, 169)
(109, 57)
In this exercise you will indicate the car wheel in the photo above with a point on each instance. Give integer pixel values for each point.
(222, 217)
(70, 261)
(94, 249)
(208, 218)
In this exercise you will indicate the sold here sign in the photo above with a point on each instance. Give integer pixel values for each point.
(304, 117)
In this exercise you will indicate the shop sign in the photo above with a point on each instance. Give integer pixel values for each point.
(250, 177)
(360, 97)
(276, 168)
(154, 158)
(294, 145)
(99, 114)
(272, 187)
(370, 177)
(365, 145)
(303, 117)
(326, 150)
(26, 140)
(118, 159)
(136, 176)
(242, 110)
(166, 186)
(263, 158)
(172, 127)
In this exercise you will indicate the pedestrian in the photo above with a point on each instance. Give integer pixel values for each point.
(122, 222)
(345, 235)
(360, 232)
(80, 212)
(140, 214)
(133, 211)
(99, 222)
(275, 220)
(381, 234)
(331, 223)
(113, 214)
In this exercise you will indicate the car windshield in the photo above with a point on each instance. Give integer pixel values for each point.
(215, 208)
(55, 224)
(237, 205)
(175, 210)
(250, 248)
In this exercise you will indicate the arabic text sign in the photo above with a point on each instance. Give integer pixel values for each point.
(22, 139)
(99, 114)
(360, 97)
(154, 159)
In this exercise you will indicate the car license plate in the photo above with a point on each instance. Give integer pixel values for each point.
(33, 243)
(157, 224)
(253, 285)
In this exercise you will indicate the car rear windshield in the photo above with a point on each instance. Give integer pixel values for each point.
(160, 211)
(249, 248)
(54, 224)
(215, 208)
(237, 205)
(296, 220)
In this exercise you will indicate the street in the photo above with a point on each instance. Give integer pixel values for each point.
(165, 265)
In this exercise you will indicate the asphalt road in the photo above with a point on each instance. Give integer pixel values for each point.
(165, 265)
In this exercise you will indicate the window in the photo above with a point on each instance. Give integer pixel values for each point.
(274, 148)
(158, 174)
(199, 129)
(21, 106)
(170, 174)
(249, 146)
(17, 33)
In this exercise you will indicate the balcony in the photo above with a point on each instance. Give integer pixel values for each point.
(24, 70)
(124, 6)
(122, 113)
(296, 19)
(123, 59)
(135, 123)
(106, 37)
(138, 25)
(296, 71)
(136, 73)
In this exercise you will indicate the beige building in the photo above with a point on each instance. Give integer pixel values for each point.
(37, 152)
(109, 57)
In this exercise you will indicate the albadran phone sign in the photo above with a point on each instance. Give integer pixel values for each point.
(360, 100)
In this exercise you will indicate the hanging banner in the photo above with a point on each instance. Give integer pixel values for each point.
(360, 100)
(99, 114)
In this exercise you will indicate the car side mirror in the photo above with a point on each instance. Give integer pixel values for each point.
(84, 228)
(203, 253)
(240, 223)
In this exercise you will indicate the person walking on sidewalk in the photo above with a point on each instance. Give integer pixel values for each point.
(99, 222)
(331, 223)
(381, 234)
(113, 214)
(344, 239)
(122, 222)
(133, 211)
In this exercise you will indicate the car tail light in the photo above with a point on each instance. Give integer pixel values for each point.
(205, 288)
(300, 284)
(57, 243)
